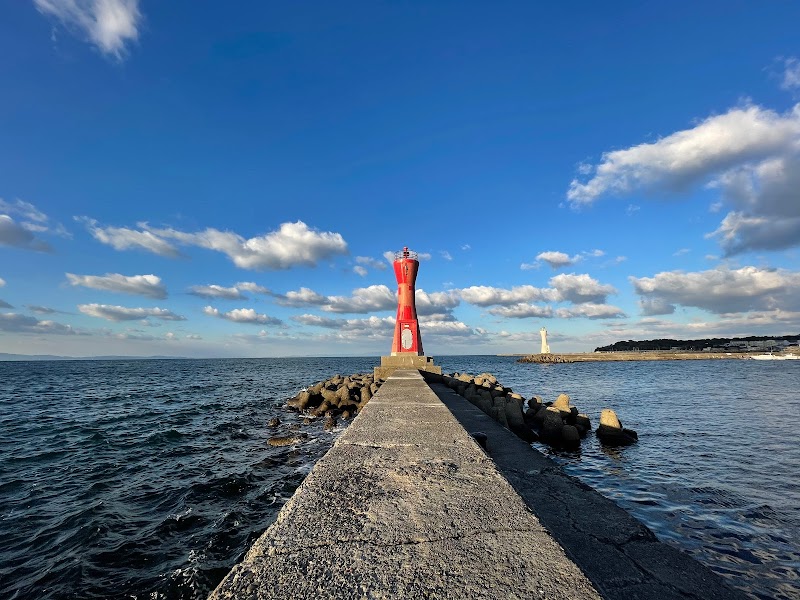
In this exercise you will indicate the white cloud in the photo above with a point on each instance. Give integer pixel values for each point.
(15, 235)
(522, 311)
(557, 259)
(359, 270)
(446, 255)
(216, 291)
(721, 290)
(249, 286)
(2, 282)
(362, 300)
(16, 323)
(580, 288)
(750, 154)
(121, 313)
(681, 252)
(294, 244)
(141, 285)
(791, 74)
(26, 210)
(303, 297)
(466, 247)
(590, 310)
(713, 146)
(435, 303)
(370, 325)
(371, 262)
(656, 306)
(481, 295)
(242, 315)
(108, 24)
(123, 238)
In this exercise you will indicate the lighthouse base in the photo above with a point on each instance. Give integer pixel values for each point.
(405, 360)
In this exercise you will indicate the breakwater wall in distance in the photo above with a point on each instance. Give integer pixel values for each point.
(406, 504)
(627, 356)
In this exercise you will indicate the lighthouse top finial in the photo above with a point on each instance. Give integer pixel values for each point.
(406, 254)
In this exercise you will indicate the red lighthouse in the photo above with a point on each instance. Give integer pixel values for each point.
(407, 344)
(406, 328)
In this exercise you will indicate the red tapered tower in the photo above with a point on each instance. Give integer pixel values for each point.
(406, 328)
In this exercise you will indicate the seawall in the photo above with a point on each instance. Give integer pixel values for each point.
(406, 504)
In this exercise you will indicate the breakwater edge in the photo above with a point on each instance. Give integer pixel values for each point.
(151, 478)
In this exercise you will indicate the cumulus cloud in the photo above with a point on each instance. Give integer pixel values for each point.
(17, 323)
(15, 235)
(721, 290)
(435, 303)
(686, 157)
(481, 295)
(293, 244)
(362, 300)
(750, 154)
(216, 291)
(557, 259)
(122, 313)
(242, 315)
(140, 285)
(580, 288)
(108, 24)
(655, 306)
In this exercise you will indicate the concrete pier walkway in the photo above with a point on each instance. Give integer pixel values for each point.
(407, 505)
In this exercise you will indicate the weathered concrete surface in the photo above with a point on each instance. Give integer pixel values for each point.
(621, 557)
(405, 505)
(405, 360)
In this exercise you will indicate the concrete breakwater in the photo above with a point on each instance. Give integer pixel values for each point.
(627, 356)
(406, 504)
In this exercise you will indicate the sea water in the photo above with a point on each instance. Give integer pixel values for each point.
(150, 479)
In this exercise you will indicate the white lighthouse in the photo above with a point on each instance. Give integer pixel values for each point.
(545, 347)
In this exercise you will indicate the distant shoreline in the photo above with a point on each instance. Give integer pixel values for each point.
(630, 356)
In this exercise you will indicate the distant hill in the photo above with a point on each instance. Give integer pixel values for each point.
(691, 345)
(4, 356)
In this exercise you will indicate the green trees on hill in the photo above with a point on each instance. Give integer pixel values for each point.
(689, 345)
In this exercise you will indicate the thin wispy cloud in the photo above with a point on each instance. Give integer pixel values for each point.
(216, 291)
(122, 313)
(110, 25)
(140, 285)
(15, 235)
(791, 74)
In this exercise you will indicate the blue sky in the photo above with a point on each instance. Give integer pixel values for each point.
(198, 179)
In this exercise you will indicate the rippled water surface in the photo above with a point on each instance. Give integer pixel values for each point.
(150, 479)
